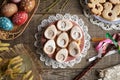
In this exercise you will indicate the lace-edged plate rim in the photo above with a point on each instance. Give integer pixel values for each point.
(50, 62)
(99, 21)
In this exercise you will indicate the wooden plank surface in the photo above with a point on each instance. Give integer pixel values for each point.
(73, 7)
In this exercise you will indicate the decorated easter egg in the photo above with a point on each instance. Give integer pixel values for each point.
(20, 18)
(16, 1)
(9, 9)
(5, 23)
(27, 5)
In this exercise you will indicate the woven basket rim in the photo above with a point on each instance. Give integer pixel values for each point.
(16, 34)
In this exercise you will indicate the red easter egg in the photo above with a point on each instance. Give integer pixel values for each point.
(20, 18)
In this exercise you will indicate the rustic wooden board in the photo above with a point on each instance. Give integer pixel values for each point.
(73, 7)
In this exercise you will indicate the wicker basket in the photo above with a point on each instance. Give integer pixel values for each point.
(16, 32)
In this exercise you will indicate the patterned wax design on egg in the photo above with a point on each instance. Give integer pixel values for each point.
(20, 18)
(5, 24)
(27, 5)
(9, 9)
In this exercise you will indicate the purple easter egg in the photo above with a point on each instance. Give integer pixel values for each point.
(16, 1)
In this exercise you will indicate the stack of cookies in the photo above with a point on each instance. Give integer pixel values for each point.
(108, 9)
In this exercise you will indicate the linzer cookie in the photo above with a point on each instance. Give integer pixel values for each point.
(109, 10)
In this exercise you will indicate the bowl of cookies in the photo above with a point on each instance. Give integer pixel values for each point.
(103, 13)
(15, 15)
(61, 41)
(105, 10)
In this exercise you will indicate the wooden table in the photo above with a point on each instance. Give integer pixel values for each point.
(73, 7)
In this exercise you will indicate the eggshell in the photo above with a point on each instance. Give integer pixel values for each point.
(16, 1)
(9, 9)
(5, 23)
(15, 28)
(27, 5)
(20, 18)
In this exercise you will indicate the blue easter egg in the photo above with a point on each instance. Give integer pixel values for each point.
(6, 24)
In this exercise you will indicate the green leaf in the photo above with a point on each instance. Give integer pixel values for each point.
(113, 40)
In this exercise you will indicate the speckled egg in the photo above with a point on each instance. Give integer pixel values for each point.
(6, 24)
(27, 5)
(16, 1)
(20, 18)
(9, 9)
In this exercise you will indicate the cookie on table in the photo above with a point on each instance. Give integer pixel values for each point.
(110, 12)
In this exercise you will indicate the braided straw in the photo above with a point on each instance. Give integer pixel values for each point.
(25, 52)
